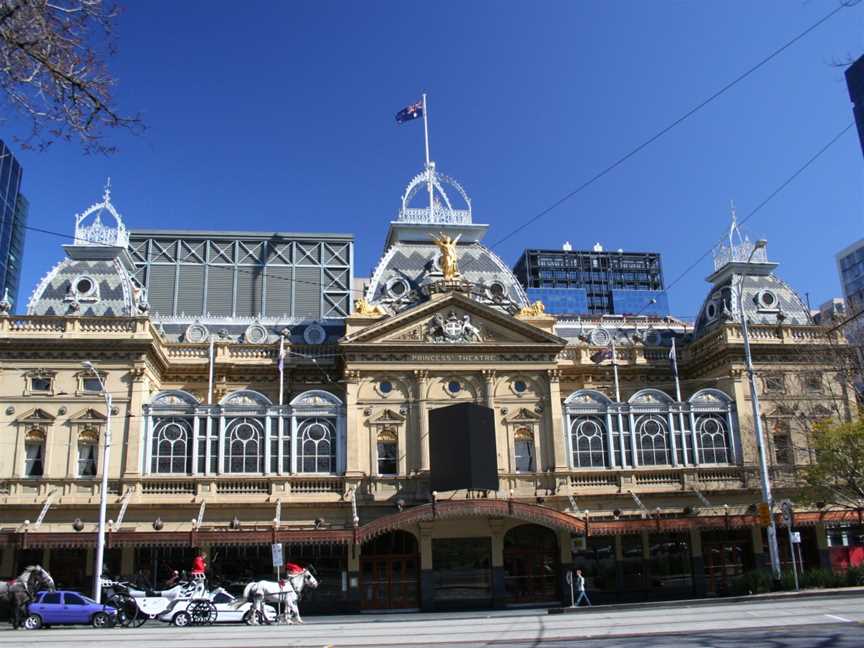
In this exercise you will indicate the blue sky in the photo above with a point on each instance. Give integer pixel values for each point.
(279, 116)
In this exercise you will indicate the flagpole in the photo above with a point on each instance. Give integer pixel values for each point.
(428, 163)
(210, 376)
(620, 416)
(680, 407)
(281, 369)
(675, 371)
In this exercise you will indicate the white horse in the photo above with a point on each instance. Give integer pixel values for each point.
(286, 591)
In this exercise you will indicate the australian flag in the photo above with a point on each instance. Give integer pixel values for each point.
(410, 113)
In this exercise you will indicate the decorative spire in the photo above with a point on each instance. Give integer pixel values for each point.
(96, 232)
(443, 208)
(738, 247)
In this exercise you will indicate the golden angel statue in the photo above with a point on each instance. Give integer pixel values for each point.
(449, 264)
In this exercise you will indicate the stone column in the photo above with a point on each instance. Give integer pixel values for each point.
(822, 543)
(499, 588)
(502, 445)
(427, 577)
(697, 561)
(421, 386)
(7, 559)
(619, 566)
(354, 592)
(127, 560)
(566, 557)
(556, 422)
(353, 443)
(760, 558)
(139, 393)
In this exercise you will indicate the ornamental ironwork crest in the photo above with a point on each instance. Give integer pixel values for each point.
(452, 329)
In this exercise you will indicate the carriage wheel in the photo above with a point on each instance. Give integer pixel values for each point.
(202, 611)
(129, 615)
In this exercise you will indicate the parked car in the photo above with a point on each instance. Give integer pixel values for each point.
(62, 607)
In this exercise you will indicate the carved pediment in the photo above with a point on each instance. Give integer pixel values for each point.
(88, 415)
(35, 416)
(452, 320)
(386, 417)
(522, 415)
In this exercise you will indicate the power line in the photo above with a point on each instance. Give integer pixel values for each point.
(768, 199)
(728, 86)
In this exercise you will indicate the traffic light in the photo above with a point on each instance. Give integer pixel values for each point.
(764, 514)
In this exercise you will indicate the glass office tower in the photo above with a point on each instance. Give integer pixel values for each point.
(13, 219)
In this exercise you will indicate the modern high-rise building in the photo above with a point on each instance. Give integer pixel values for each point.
(13, 219)
(855, 83)
(850, 267)
(596, 281)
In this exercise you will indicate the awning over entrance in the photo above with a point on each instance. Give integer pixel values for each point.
(441, 510)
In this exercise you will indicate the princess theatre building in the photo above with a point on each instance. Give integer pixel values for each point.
(218, 444)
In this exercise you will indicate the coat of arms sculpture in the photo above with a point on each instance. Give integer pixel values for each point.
(453, 329)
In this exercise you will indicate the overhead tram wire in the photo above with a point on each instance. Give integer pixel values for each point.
(677, 122)
(768, 199)
(812, 159)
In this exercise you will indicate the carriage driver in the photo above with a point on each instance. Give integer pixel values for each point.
(199, 564)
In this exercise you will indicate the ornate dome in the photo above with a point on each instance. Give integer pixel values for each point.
(96, 277)
(433, 204)
(743, 266)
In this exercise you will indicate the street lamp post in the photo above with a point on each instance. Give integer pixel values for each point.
(103, 493)
(773, 552)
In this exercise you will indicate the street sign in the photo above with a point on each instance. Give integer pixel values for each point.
(278, 556)
(569, 577)
(796, 537)
(786, 508)
(764, 514)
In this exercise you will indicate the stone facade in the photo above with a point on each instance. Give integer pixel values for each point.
(338, 466)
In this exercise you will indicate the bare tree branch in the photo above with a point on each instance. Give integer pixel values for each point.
(53, 70)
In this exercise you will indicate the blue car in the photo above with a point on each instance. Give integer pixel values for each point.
(65, 608)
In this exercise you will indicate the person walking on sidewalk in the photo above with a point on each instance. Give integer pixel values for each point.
(580, 587)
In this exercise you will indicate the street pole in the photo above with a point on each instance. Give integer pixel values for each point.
(773, 551)
(103, 492)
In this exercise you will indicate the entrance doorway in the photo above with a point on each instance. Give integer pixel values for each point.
(390, 572)
(531, 564)
(727, 554)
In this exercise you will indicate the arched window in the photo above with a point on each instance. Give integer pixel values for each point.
(86, 458)
(588, 441)
(171, 445)
(34, 453)
(713, 438)
(318, 419)
(388, 452)
(244, 445)
(523, 450)
(317, 445)
(651, 437)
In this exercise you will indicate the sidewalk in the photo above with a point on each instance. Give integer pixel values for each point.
(715, 600)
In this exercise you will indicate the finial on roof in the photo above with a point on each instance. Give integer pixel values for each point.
(107, 195)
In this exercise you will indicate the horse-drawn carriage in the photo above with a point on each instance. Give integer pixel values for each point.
(191, 603)
(187, 603)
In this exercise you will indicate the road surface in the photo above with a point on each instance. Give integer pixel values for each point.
(834, 621)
